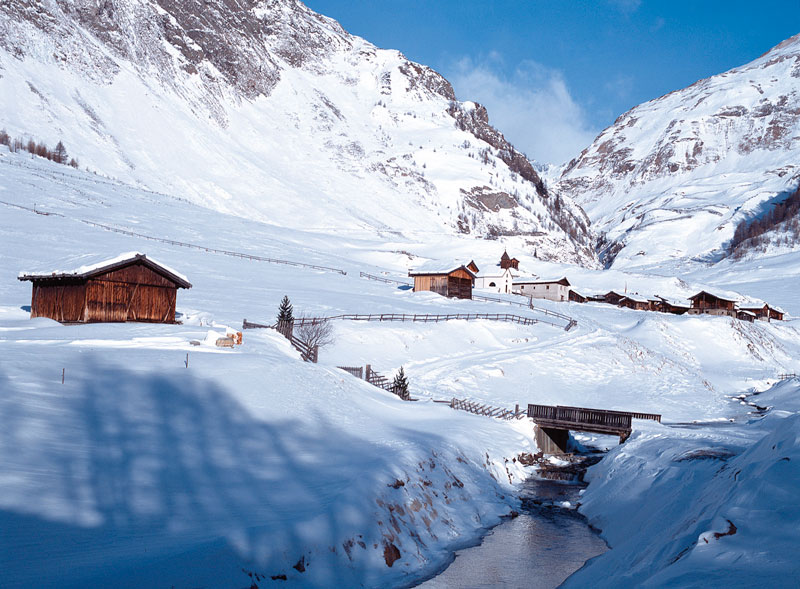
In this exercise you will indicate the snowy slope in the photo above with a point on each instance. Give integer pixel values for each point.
(139, 470)
(262, 109)
(671, 178)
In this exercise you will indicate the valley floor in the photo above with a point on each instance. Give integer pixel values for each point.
(248, 463)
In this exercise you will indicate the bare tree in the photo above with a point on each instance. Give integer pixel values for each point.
(317, 333)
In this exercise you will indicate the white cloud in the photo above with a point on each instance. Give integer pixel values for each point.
(532, 107)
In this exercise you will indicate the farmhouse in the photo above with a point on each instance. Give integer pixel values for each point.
(765, 312)
(450, 281)
(553, 290)
(707, 303)
(130, 287)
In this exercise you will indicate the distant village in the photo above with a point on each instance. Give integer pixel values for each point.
(453, 280)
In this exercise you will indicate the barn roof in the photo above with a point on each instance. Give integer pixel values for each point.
(563, 280)
(436, 267)
(88, 266)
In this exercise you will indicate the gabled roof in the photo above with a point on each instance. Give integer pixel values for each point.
(563, 280)
(436, 267)
(636, 298)
(711, 294)
(94, 265)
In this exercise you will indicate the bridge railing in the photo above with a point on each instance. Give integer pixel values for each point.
(580, 416)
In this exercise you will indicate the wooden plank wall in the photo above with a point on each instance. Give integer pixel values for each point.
(57, 300)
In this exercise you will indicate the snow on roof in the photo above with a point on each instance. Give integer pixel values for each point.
(638, 298)
(89, 263)
(536, 280)
(438, 267)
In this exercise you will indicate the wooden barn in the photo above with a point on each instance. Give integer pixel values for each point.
(449, 281)
(707, 303)
(130, 287)
(577, 297)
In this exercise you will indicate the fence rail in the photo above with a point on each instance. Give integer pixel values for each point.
(307, 353)
(382, 279)
(787, 376)
(420, 318)
(357, 371)
(487, 410)
(215, 250)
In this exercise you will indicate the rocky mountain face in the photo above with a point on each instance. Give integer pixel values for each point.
(269, 110)
(671, 178)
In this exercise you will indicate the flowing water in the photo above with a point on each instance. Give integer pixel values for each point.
(540, 548)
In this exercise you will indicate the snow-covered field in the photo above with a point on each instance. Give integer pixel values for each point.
(141, 471)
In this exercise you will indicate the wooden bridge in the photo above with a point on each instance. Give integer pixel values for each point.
(554, 423)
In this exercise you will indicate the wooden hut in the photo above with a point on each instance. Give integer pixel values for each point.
(612, 297)
(707, 303)
(577, 297)
(130, 287)
(668, 306)
(743, 315)
(449, 281)
(635, 302)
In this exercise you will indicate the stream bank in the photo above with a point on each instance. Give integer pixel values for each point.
(539, 547)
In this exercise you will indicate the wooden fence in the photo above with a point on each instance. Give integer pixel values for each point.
(420, 318)
(375, 379)
(308, 353)
(215, 250)
(487, 410)
(787, 376)
(384, 280)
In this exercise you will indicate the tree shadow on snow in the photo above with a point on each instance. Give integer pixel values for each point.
(168, 480)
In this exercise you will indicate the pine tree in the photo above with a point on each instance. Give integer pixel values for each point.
(400, 385)
(60, 154)
(285, 310)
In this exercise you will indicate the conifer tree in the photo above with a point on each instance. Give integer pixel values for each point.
(285, 310)
(60, 154)
(400, 385)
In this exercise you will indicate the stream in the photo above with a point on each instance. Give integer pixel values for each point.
(541, 547)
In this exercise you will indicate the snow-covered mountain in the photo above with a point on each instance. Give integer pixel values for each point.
(671, 178)
(268, 110)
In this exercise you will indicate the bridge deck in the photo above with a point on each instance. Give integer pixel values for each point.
(600, 421)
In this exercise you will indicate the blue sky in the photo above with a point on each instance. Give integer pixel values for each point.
(553, 73)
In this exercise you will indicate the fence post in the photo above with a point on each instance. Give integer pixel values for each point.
(286, 329)
(367, 372)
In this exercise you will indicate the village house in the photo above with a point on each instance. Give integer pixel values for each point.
(707, 303)
(635, 302)
(552, 290)
(764, 312)
(130, 287)
(670, 306)
(612, 297)
(452, 280)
